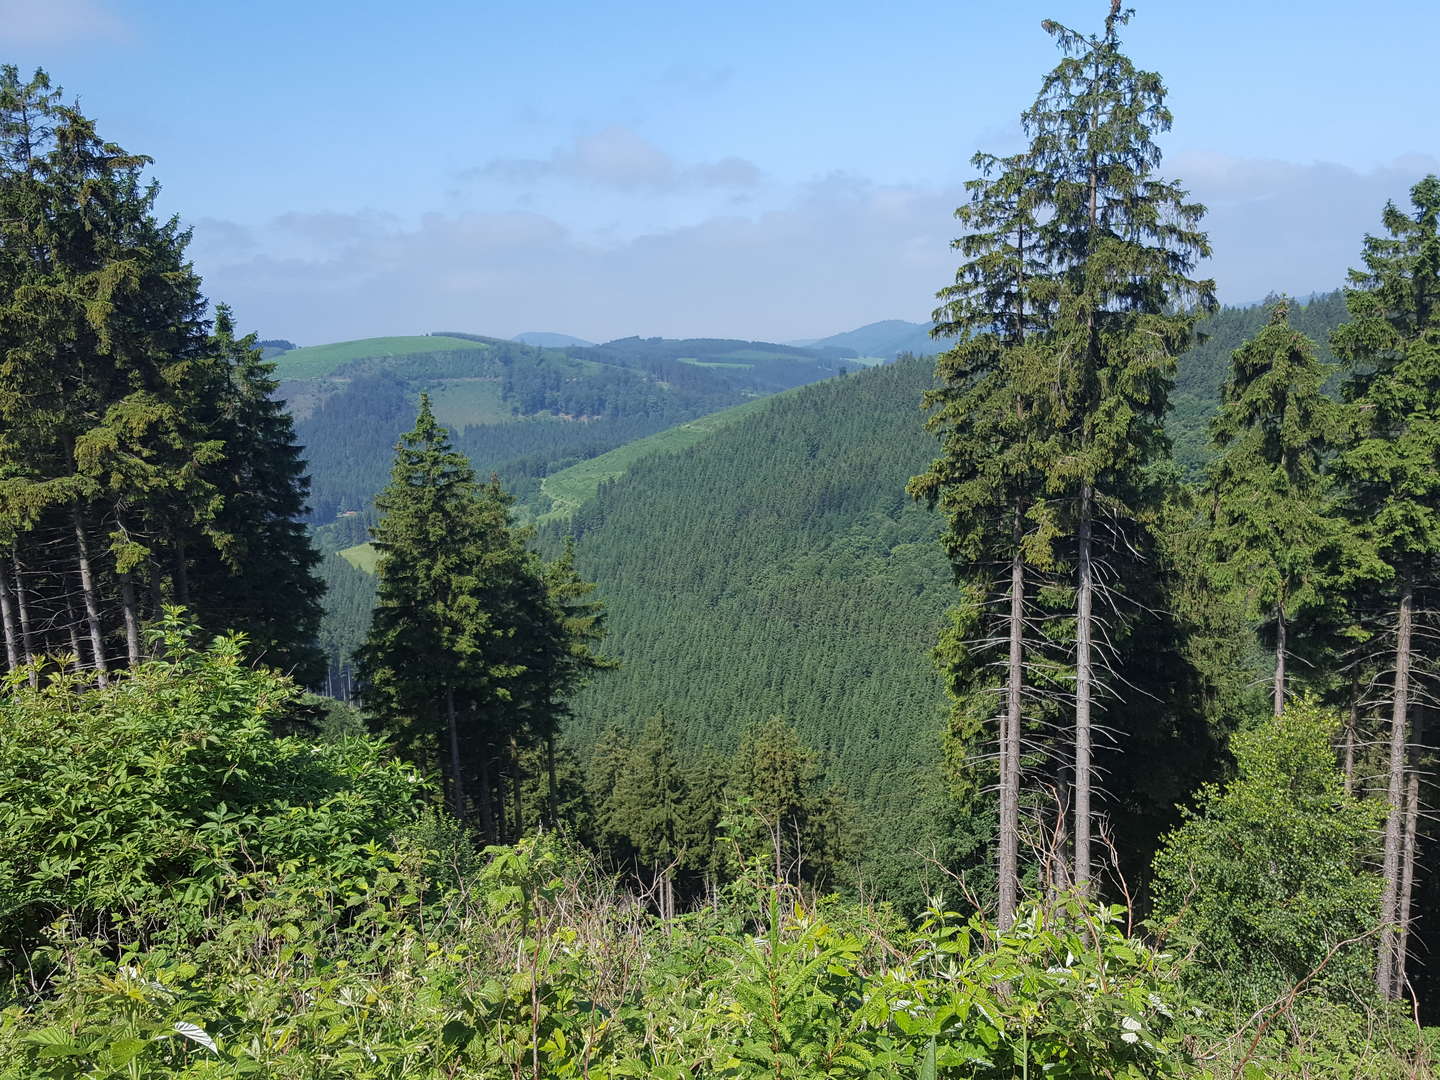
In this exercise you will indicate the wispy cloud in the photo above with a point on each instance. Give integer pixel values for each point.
(619, 158)
(57, 22)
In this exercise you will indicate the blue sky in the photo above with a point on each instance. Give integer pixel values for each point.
(768, 170)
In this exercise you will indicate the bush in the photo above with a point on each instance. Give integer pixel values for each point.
(165, 798)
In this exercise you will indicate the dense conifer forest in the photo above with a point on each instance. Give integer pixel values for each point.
(1058, 703)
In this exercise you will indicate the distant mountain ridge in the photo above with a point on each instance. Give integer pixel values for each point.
(884, 340)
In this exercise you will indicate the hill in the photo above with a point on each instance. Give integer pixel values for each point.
(546, 339)
(884, 340)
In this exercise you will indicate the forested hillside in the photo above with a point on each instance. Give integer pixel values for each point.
(518, 410)
(778, 568)
(1063, 703)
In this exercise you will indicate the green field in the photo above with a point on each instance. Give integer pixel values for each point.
(571, 488)
(317, 361)
(362, 557)
(461, 402)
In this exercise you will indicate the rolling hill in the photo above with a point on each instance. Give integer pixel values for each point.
(884, 340)
(547, 339)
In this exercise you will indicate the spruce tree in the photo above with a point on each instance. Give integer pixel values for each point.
(1272, 517)
(1120, 242)
(253, 531)
(989, 475)
(425, 650)
(648, 805)
(1391, 476)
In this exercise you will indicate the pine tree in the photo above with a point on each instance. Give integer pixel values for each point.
(1391, 475)
(1272, 515)
(797, 823)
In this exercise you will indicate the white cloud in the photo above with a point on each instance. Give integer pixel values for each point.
(1282, 226)
(617, 157)
(57, 22)
(837, 253)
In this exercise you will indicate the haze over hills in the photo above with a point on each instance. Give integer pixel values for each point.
(885, 340)
(549, 340)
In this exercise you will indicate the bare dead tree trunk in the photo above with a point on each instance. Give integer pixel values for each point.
(1407, 876)
(22, 605)
(1279, 689)
(1084, 690)
(1009, 848)
(457, 778)
(7, 616)
(129, 602)
(92, 600)
(1388, 966)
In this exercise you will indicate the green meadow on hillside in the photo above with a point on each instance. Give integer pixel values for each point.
(317, 361)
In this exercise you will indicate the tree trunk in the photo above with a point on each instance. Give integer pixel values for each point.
(182, 574)
(1084, 692)
(518, 825)
(457, 777)
(130, 604)
(487, 808)
(1352, 725)
(1388, 966)
(22, 605)
(1407, 876)
(72, 624)
(1278, 693)
(1009, 853)
(7, 616)
(92, 600)
(554, 785)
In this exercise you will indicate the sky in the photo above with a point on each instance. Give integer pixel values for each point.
(763, 170)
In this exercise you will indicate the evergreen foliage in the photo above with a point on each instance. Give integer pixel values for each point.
(1273, 518)
(141, 459)
(474, 642)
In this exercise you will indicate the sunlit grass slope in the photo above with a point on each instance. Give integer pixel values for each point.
(317, 361)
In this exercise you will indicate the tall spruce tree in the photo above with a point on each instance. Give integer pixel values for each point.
(109, 387)
(1073, 305)
(990, 472)
(1120, 241)
(1391, 475)
(1272, 517)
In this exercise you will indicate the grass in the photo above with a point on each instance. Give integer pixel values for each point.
(460, 402)
(362, 557)
(571, 488)
(317, 361)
